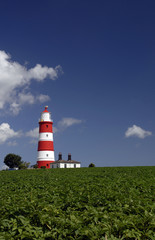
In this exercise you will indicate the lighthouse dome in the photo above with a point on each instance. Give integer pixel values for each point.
(46, 115)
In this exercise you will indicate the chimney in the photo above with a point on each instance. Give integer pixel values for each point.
(69, 157)
(60, 156)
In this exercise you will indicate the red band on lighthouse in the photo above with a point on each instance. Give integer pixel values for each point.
(45, 127)
(45, 143)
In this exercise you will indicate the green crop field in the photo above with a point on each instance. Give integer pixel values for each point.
(86, 203)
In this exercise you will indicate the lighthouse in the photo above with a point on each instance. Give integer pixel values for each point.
(45, 143)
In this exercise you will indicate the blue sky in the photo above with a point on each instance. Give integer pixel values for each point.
(92, 63)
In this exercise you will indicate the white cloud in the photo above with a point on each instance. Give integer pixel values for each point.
(34, 133)
(26, 98)
(137, 132)
(40, 73)
(15, 108)
(66, 122)
(15, 80)
(6, 133)
(43, 98)
(22, 98)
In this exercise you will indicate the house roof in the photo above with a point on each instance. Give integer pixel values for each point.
(65, 161)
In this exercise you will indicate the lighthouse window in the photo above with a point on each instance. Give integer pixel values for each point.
(46, 135)
(47, 126)
(46, 155)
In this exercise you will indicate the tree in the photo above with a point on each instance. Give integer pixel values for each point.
(91, 165)
(12, 160)
(24, 165)
(35, 166)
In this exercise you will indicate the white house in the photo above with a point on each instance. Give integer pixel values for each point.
(60, 163)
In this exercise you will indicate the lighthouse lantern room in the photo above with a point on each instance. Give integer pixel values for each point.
(45, 143)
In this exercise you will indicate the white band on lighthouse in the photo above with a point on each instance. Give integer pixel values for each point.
(46, 155)
(46, 136)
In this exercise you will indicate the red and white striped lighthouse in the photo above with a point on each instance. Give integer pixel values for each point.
(45, 143)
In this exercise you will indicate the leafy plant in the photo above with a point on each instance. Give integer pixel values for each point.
(86, 203)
